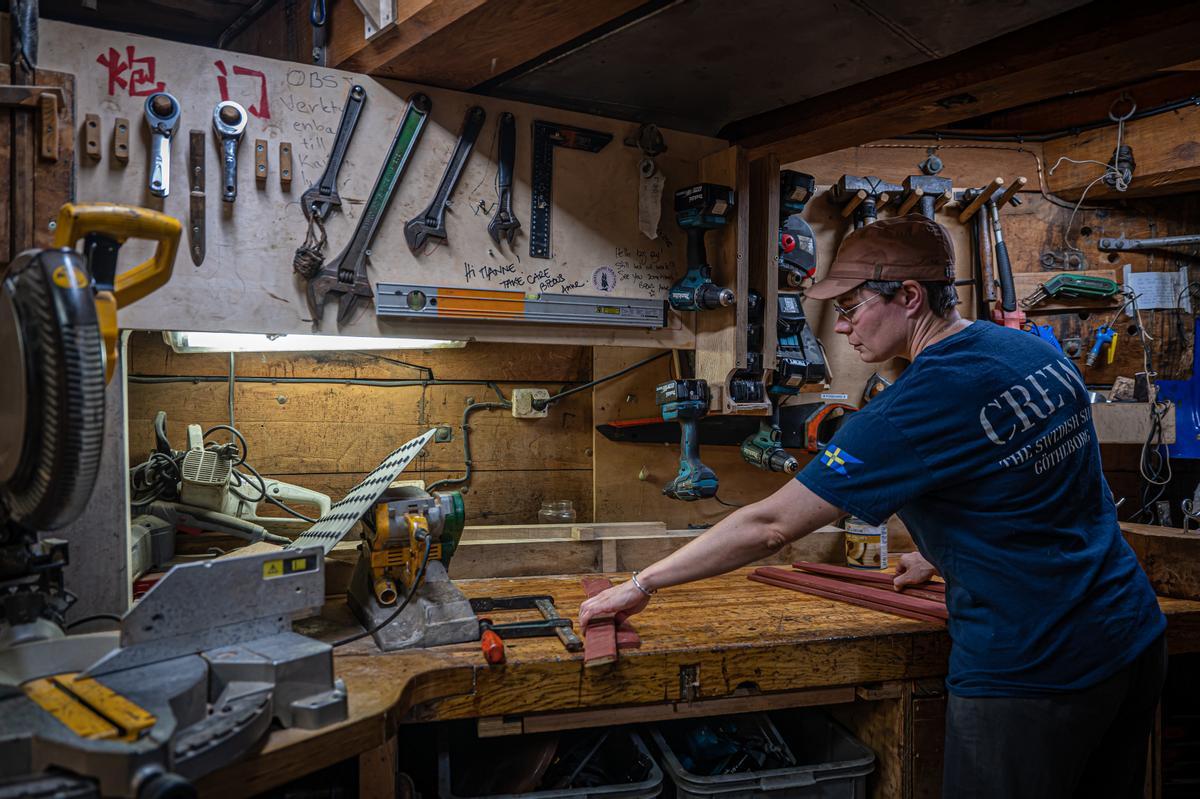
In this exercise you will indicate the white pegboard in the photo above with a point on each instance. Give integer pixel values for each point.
(246, 283)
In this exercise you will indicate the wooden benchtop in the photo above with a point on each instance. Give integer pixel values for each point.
(737, 633)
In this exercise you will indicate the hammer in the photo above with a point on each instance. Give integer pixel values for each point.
(927, 192)
(862, 197)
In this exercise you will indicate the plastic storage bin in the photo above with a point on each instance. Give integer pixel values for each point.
(830, 762)
(622, 747)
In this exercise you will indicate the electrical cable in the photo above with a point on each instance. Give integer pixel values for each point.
(93, 617)
(1047, 135)
(466, 438)
(544, 403)
(396, 613)
(726, 504)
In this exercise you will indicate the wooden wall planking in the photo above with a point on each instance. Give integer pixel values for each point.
(328, 436)
(629, 477)
(251, 242)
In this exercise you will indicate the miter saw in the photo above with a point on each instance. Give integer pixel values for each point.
(401, 571)
(185, 685)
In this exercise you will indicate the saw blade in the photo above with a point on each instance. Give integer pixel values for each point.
(342, 516)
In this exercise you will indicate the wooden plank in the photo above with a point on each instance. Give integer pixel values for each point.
(840, 597)
(54, 181)
(1084, 108)
(150, 355)
(554, 722)
(883, 726)
(600, 634)
(1166, 148)
(629, 477)
(377, 769)
(462, 43)
(1129, 422)
(475, 559)
(7, 250)
(854, 593)
(968, 163)
(1170, 558)
(1077, 50)
(302, 428)
(721, 332)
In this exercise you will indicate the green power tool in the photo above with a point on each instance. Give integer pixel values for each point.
(699, 209)
(686, 402)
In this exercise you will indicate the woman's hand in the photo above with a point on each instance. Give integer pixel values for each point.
(913, 569)
(625, 599)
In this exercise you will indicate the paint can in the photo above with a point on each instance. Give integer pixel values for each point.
(866, 544)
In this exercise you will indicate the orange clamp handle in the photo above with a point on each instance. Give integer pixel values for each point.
(493, 647)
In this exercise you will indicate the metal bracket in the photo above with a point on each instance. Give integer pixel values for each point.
(689, 683)
(49, 102)
(378, 16)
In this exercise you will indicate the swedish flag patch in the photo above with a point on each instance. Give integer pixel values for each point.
(837, 459)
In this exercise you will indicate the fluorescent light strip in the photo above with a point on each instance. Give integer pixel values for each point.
(257, 342)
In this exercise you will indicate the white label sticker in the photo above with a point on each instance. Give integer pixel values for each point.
(835, 396)
(719, 207)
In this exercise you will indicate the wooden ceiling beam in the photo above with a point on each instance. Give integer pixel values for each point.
(1099, 44)
(459, 44)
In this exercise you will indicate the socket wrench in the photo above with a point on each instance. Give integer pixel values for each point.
(229, 121)
(162, 116)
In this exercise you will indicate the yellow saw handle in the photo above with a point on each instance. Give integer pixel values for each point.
(124, 222)
(121, 222)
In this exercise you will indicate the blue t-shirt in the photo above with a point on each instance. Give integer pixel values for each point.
(985, 447)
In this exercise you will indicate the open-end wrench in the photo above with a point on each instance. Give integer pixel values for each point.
(162, 115)
(504, 225)
(320, 200)
(346, 275)
(432, 223)
(229, 121)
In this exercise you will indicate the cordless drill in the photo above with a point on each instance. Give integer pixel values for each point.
(686, 401)
(699, 209)
(765, 449)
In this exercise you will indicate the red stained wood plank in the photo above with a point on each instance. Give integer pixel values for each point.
(863, 603)
(627, 636)
(861, 575)
(850, 591)
(600, 635)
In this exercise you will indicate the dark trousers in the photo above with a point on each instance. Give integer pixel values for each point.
(1089, 743)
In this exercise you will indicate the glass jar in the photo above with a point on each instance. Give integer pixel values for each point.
(557, 511)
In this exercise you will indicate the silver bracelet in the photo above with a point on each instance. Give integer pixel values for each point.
(638, 585)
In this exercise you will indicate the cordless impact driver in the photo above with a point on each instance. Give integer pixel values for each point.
(686, 402)
(699, 209)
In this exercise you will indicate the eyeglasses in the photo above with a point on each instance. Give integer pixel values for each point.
(847, 313)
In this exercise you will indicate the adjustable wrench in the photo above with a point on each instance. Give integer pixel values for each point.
(504, 224)
(319, 200)
(229, 121)
(432, 223)
(162, 115)
(346, 275)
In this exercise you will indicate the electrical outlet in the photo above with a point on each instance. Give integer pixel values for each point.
(522, 403)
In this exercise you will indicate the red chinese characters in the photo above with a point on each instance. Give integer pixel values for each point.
(136, 75)
(262, 108)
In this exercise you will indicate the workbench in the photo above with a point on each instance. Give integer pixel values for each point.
(718, 646)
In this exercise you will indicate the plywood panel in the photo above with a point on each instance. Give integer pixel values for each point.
(246, 283)
(301, 428)
(629, 477)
